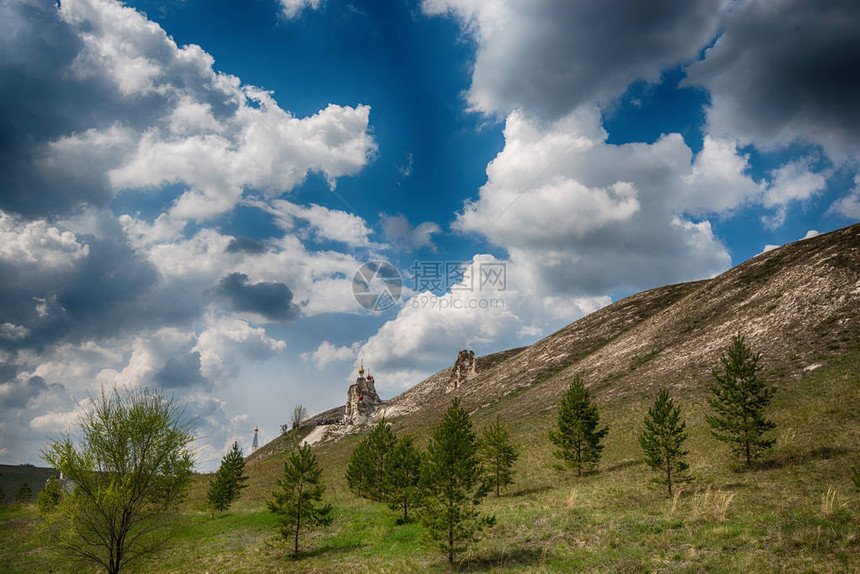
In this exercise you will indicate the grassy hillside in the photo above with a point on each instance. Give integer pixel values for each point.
(796, 512)
(798, 304)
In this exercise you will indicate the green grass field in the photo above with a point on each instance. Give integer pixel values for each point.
(796, 512)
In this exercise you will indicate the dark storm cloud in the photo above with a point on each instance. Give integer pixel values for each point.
(111, 292)
(550, 57)
(182, 371)
(16, 394)
(246, 245)
(46, 95)
(271, 300)
(7, 372)
(41, 101)
(787, 70)
(117, 290)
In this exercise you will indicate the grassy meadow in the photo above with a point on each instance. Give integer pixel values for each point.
(795, 512)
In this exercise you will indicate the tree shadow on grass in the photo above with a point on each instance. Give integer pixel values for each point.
(526, 491)
(329, 548)
(522, 559)
(624, 464)
(280, 549)
(797, 458)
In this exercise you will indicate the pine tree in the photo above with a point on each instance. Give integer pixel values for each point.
(49, 497)
(300, 488)
(663, 438)
(402, 473)
(217, 497)
(365, 472)
(498, 454)
(451, 483)
(228, 483)
(578, 436)
(739, 400)
(24, 493)
(358, 469)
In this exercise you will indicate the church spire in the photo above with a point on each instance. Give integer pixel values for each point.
(361, 369)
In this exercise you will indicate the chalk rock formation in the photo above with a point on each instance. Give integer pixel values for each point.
(361, 400)
(464, 369)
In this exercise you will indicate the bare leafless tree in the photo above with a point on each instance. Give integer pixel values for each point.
(299, 414)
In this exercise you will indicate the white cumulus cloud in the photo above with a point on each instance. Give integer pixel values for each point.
(228, 341)
(849, 204)
(400, 233)
(38, 244)
(328, 353)
(293, 8)
(586, 217)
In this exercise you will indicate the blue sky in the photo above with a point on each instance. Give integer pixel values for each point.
(190, 187)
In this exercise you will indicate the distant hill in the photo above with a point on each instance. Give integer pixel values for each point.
(11, 478)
